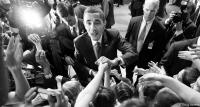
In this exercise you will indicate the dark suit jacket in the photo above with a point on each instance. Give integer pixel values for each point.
(111, 42)
(154, 43)
(66, 38)
(171, 62)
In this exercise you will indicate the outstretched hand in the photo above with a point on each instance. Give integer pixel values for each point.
(40, 57)
(14, 53)
(35, 39)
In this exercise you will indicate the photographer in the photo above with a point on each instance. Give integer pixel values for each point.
(179, 25)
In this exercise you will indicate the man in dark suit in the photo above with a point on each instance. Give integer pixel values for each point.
(147, 36)
(171, 63)
(100, 43)
(68, 30)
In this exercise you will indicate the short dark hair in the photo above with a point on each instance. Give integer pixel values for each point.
(95, 9)
(105, 97)
(134, 102)
(65, 9)
(123, 91)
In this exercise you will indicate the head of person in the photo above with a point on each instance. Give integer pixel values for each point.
(196, 85)
(148, 90)
(134, 102)
(123, 91)
(66, 12)
(186, 9)
(188, 75)
(166, 98)
(71, 90)
(104, 98)
(150, 9)
(94, 22)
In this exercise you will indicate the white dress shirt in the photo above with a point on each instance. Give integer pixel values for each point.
(148, 26)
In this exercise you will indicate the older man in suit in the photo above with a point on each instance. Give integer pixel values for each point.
(100, 43)
(147, 35)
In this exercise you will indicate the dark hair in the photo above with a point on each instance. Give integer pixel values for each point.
(134, 102)
(150, 89)
(104, 98)
(65, 9)
(94, 9)
(190, 75)
(166, 98)
(123, 91)
(72, 89)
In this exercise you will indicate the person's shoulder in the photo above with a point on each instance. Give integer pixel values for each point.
(184, 43)
(159, 20)
(136, 18)
(112, 32)
(82, 37)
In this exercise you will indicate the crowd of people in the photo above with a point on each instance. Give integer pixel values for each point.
(160, 54)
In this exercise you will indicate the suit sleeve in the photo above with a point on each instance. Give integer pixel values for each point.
(79, 62)
(127, 36)
(129, 56)
(167, 60)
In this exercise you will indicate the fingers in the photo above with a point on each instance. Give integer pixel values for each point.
(30, 95)
(102, 59)
(58, 80)
(11, 44)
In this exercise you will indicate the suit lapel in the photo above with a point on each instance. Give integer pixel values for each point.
(104, 44)
(150, 34)
(89, 48)
(138, 23)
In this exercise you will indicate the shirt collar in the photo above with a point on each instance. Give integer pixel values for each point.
(198, 41)
(148, 22)
(94, 42)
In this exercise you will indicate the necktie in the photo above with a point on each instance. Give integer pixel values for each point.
(141, 38)
(97, 49)
(74, 33)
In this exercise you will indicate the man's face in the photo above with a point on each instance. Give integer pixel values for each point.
(150, 11)
(69, 20)
(94, 25)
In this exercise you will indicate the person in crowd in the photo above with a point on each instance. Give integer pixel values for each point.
(71, 89)
(147, 36)
(148, 91)
(13, 59)
(172, 5)
(188, 95)
(89, 92)
(98, 43)
(171, 61)
(135, 7)
(105, 97)
(179, 25)
(123, 92)
(70, 20)
(188, 75)
(3, 73)
(196, 85)
(134, 102)
(166, 98)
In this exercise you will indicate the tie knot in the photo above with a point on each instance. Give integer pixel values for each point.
(97, 44)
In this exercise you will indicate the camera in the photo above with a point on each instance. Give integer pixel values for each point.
(177, 17)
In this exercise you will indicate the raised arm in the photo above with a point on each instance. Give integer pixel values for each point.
(3, 77)
(186, 93)
(13, 60)
(86, 96)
